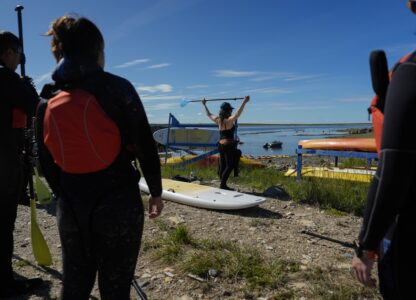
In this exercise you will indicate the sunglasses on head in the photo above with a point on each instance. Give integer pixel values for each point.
(412, 5)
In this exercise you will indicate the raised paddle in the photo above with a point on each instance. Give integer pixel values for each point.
(185, 102)
(39, 246)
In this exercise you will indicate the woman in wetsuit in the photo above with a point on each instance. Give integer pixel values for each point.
(91, 113)
(227, 144)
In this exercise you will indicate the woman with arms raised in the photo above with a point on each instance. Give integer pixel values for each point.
(227, 145)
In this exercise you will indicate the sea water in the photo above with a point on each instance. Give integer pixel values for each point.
(253, 137)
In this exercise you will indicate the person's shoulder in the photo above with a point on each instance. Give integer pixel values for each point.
(117, 80)
(7, 74)
(119, 86)
(231, 119)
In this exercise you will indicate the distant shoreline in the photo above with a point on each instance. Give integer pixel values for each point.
(271, 124)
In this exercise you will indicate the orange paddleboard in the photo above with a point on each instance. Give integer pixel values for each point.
(346, 144)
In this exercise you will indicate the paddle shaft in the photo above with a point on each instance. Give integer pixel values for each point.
(39, 245)
(139, 291)
(322, 237)
(219, 99)
(19, 9)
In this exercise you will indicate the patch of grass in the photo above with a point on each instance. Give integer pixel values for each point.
(324, 284)
(342, 195)
(285, 295)
(181, 235)
(259, 223)
(335, 212)
(170, 247)
(246, 266)
(351, 162)
(234, 262)
(170, 252)
(239, 263)
(162, 224)
(22, 263)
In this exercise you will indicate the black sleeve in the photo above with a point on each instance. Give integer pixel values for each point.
(393, 188)
(141, 136)
(20, 93)
(49, 169)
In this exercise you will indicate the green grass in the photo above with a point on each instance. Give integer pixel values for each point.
(332, 194)
(355, 162)
(325, 285)
(22, 263)
(232, 261)
(246, 266)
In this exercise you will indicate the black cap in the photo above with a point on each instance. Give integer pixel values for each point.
(226, 106)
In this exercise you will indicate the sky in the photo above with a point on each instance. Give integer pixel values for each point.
(299, 61)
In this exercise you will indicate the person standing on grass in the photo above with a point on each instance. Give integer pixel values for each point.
(17, 98)
(391, 199)
(90, 132)
(227, 145)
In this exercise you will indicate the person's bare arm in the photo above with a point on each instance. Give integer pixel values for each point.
(213, 117)
(240, 109)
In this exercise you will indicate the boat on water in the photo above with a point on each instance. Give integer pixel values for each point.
(273, 145)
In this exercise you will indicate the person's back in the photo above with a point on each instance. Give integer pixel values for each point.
(227, 145)
(99, 115)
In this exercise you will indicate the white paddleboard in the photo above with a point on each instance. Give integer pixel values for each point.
(204, 196)
(184, 136)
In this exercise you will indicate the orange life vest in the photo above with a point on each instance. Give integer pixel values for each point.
(78, 133)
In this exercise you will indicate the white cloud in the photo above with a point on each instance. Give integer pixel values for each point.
(262, 76)
(160, 97)
(162, 106)
(300, 77)
(269, 91)
(234, 73)
(359, 99)
(197, 86)
(158, 66)
(291, 106)
(159, 88)
(132, 63)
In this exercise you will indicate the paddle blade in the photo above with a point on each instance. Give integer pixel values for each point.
(379, 75)
(184, 103)
(40, 248)
(42, 191)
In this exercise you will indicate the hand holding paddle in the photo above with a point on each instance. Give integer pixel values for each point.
(155, 207)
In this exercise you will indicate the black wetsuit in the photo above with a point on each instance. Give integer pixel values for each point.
(229, 155)
(392, 195)
(13, 94)
(100, 215)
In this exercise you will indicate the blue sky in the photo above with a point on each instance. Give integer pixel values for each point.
(300, 61)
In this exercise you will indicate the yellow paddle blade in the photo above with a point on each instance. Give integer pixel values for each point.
(42, 191)
(40, 248)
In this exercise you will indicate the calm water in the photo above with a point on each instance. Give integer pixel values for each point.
(254, 137)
